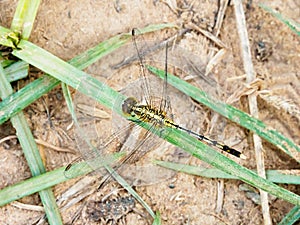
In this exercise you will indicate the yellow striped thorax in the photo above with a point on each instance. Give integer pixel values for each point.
(146, 113)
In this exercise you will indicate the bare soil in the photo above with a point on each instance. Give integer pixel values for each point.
(67, 28)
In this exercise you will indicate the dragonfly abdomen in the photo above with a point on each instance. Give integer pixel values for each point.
(158, 117)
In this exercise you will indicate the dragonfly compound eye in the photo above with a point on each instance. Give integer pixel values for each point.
(128, 105)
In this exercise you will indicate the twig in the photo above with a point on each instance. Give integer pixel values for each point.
(207, 34)
(41, 142)
(220, 17)
(250, 77)
(27, 206)
(58, 149)
(8, 138)
(220, 196)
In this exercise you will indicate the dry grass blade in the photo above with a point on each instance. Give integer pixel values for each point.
(250, 77)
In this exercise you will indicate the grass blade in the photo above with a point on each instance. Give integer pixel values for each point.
(292, 217)
(49, 179)
(21, 99)
(275, 176)
(125, 185)
(38, 183)
(233, 114)
(13, 104)
(24, 17)
(295, 27)
(31, 153)
(157, 219)
(16, 71)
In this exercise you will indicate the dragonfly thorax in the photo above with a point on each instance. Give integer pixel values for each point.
(144, 112)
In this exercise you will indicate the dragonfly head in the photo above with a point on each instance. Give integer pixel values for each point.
(128, 104)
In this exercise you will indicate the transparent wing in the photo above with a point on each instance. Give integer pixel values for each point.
(98, 137)
(117, 134)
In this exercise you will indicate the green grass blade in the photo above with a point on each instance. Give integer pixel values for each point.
(105, 95)
(292, 217)
(34, 90)
(106, 47)
(24, 17)
(220, 161)
(157, 219)
(37, 88)
(125, 185)
(55, 177)
(232, 113)
(275, 176)
(65, 72)
(49, 179)
(16, 71)
(31, 153)
(13, 104)
(5, 63)
(38, 183)
(295, 27)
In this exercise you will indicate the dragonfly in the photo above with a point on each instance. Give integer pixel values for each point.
(153, 108)
(157, 116)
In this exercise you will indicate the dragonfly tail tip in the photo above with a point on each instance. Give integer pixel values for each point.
(242, 156)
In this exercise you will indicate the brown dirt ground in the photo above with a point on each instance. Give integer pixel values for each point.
(67, 28)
